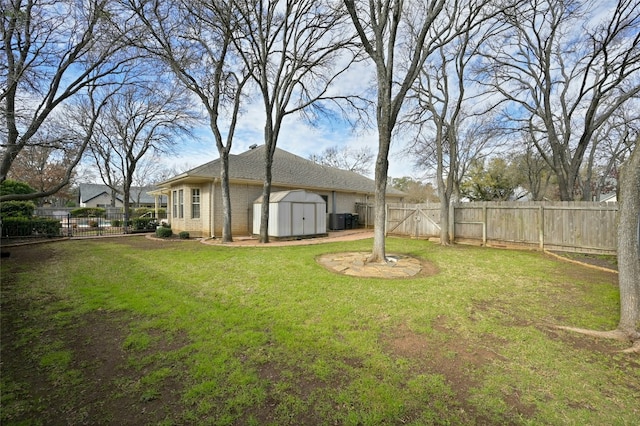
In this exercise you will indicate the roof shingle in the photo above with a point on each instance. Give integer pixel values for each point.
(287, 170)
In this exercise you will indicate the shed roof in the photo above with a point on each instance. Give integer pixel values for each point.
(294, 195)
(287, 170)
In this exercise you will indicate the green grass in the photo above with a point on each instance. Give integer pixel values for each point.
(268, 336)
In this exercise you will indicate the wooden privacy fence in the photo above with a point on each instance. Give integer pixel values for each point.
(586, 227)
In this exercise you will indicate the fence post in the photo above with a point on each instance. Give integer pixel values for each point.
(541, 227)
(452, 225)
(484, 225)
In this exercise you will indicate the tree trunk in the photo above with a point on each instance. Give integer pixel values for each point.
(266, 194)
(382, 167)
(628, 245)
(226, 196)
(379, 254)
(125, 203)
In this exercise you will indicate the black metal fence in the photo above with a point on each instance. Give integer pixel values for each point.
(61, 223)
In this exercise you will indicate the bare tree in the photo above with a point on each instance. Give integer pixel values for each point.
(296, 50)
(357, 160)
(147, 115)
(42, 164)
(55, 51)
(615, 141)
(453, 131)
(195, 38)
(563, 78)
(534, 172)
(399, 36)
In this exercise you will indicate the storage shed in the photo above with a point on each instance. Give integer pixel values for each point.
(295, 213)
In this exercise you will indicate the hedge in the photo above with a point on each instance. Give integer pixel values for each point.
(16, 209)
(27, 227)
(143, 223)
(88, 211)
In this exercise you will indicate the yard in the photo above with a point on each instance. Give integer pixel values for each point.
(136, 331)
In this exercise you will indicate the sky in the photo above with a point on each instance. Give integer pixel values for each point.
(298, 136)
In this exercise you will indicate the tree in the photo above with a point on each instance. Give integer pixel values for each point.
(417, 191)
(532, 172)
(295, 50)
(563, 77)
(196, 39)
(398, 37)
(147, 115)
(629, 247)
(628, 234)
(615, 141)
(55, 51)
(496, 182)
(43, 167)
(453, 124)
(357, 160)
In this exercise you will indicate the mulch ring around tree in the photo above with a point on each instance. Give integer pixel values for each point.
(397, 266)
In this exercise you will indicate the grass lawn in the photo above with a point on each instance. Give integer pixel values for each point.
(135, 331)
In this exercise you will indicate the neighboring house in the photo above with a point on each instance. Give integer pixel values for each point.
(612, 197)
(195, 197)
(98, 195)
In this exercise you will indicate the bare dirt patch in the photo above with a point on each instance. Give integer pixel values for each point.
(458, 360)
(397, 266)
(103, 381)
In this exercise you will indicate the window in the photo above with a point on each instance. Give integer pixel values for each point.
(181, 203)
(174, 198)
(195, 203)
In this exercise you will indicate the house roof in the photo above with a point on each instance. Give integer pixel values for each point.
(287, 170)
(89, 191)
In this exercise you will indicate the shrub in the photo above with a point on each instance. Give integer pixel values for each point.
(10, 186)
(88, 211)
(164, 232)
(116, 222)
(184, 235)
(17, 209)
(142, 223)
(93, 224)
(26, 227)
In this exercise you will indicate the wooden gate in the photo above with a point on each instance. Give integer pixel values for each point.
(417, 220)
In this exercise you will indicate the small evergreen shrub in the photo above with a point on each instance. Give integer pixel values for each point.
(163, 232)
(88, 211)
(17, 209)
(116, 222)
(184, 235)
(142, 223)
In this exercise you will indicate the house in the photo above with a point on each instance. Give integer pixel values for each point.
(98, 195)
(195, 197)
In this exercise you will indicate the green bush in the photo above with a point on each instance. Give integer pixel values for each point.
(116, 222)
(163, 232)
(88, 211)
(142, 223)
(10, 186)
(184, 235)
(26, 227)
(16, 209)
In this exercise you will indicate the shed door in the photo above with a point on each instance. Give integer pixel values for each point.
(303, 218)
